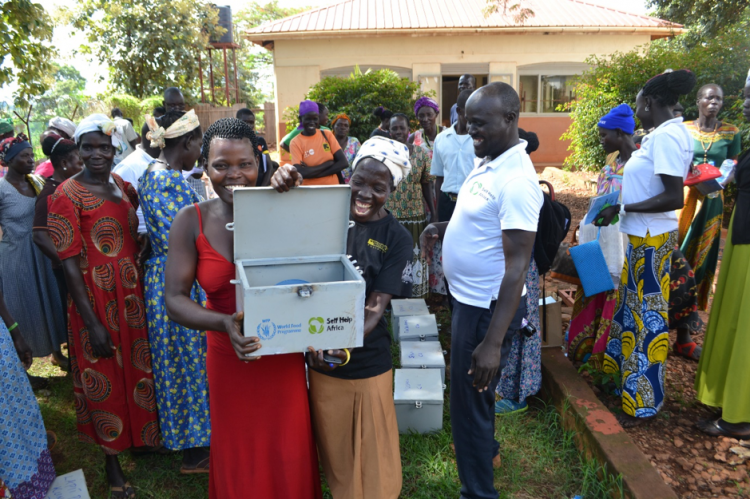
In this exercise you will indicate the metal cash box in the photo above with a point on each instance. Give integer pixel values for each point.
(294, 281)
(417, 328)
(406, 307)
(418, 397)
(423, 355)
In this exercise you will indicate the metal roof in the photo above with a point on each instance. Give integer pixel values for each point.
(355, 17)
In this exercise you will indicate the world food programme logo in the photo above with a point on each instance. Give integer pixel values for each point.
(266, 329)
(316, 325)
(476, 188)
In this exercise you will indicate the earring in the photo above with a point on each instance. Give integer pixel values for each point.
(647, 108)
(65, 168)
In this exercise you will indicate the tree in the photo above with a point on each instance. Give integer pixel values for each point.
(519, 12)
(615, 79)
(359, 94)
(257, 62)
(148, 44)
(704, 18)
(66, 96)
(25, 33)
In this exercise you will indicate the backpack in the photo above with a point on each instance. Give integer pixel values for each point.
(554, 224)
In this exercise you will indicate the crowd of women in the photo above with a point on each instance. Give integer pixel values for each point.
(156, 350)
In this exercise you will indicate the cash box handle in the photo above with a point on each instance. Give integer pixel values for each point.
(230, 226)
(236, 282)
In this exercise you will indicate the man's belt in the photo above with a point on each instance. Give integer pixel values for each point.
(453, 197)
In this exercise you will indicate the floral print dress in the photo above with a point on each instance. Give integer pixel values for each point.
(350, 151)
(179, 353)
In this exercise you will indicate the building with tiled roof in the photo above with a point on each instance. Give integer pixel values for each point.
(435, 41)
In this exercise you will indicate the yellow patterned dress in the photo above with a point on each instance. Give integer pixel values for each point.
(701, 218)
(639, 336)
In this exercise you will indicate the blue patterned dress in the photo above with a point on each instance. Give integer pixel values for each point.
(522, 375)
(178, 354)
(26, 469)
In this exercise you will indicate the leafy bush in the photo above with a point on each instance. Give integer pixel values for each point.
(359, 94)
(615, 79)
(129, 105)
(149, 103)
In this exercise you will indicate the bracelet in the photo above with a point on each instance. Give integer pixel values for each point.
(11, 328)
(622, 209)
(348, 357)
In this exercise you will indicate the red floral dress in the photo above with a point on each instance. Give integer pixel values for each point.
(114, 397)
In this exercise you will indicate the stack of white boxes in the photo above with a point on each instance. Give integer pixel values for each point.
(419, 384)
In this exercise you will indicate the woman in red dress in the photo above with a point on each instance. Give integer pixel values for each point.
(93, 225)
(261, 435)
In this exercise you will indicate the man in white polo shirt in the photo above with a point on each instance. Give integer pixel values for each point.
(486, 254)
(452, 160)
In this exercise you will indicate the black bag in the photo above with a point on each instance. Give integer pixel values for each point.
(554, 224)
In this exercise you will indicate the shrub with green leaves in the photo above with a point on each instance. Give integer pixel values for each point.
(359, 94)
(617, 79)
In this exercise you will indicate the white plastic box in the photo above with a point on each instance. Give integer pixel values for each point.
(301, 236)
(418, 397)
(417, 328)
(423, 355)
(406, 307)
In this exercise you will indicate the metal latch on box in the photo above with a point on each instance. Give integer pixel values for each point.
(418, 404)
(305, 291)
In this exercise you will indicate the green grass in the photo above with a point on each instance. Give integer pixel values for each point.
(540, 458)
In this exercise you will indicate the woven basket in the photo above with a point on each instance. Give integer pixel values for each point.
(592, 267)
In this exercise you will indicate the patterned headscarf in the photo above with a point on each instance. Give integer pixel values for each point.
(10, 147)
(425, 101)
(394, 155)
(100, 123)
(341, 116)
(187, 123)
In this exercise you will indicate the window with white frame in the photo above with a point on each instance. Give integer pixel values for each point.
(546, 91)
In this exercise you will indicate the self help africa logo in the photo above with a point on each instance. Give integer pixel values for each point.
(317, 324)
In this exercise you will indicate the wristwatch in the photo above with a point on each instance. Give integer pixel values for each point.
(622, 209)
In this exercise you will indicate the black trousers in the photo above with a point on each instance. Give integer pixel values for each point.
(473, 413)
(445, 207)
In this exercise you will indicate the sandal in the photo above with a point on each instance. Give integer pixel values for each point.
(688, 350)
(628, 421)
(505, 407)
(201, 467)
(713, 428)
(124, 492)
(51, 440)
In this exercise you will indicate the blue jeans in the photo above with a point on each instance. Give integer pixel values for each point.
(473, 413)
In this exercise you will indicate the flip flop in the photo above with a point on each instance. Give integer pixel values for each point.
(713, 428)
(201, 467)
(124, 492)
(688, 350)
(505, 407)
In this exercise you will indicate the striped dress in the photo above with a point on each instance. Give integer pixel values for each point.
(26, 277)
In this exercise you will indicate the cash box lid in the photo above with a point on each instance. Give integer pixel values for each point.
(306, 221)
(418, 385)
(422, 353)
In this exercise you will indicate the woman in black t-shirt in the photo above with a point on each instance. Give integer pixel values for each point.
(353, 415)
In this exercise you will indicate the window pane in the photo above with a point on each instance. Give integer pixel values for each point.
(529, 93)
(557, 90)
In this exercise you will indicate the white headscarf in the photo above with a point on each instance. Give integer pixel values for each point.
(100, 123)
(63, 124)
(394, 155)
(747, 80)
